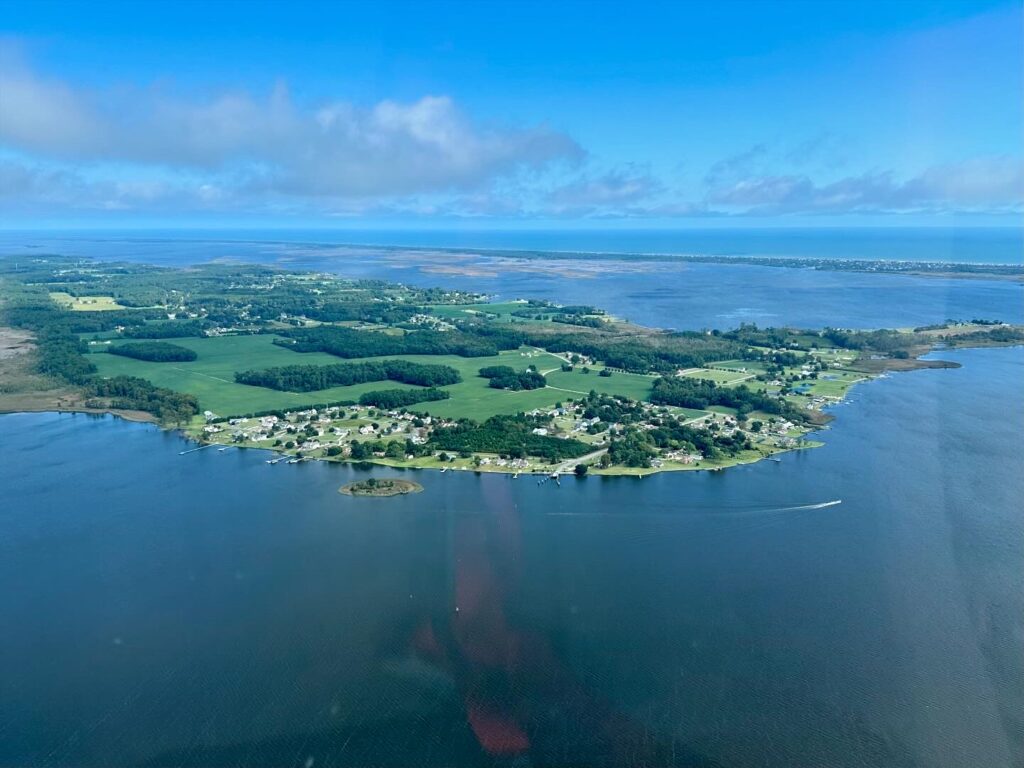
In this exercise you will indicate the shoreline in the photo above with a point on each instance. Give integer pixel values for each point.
(954, 270)
(547, 472)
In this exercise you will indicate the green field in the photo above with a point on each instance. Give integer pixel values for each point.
(468, 310)
(632, 385)
(832, 387)
(720, 377)
(211, 378)
(741, 366)
(85, 303)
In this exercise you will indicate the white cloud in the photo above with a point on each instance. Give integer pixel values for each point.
(270, 145)
(148, 149)
(615, 189)
(994, 183)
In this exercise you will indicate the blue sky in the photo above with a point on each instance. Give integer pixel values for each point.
(515, 114)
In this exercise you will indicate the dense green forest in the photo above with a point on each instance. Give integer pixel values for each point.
(997, 335)
(701, 393)
(507, 435)
(884, 341)
(60, 354)
(309, 378)
(349, 343)
(135, 394)
(506, 377)
(168, 329)
(154, 352)
(637, 353)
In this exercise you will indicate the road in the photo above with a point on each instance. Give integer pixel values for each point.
(568, 466)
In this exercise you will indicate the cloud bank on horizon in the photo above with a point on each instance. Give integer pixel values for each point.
(130, 146)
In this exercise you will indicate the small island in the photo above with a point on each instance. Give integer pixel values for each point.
(375, 487)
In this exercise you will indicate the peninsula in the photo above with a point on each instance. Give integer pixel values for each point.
(318, 367)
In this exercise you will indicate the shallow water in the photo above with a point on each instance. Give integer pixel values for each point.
(661, 294)
(210, 609)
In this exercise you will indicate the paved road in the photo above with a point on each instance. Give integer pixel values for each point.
(570, 465)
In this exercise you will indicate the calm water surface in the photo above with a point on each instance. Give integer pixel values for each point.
(210, 609)
(663, 294)
(984, 245)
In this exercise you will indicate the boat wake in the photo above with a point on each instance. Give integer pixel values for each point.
(723, 512)
(801, 507)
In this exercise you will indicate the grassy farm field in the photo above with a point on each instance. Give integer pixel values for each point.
(633, 385)
(719, 376)
(741, 366)
(833, 383)
(85, 303)
(211, 378)
(498, 309)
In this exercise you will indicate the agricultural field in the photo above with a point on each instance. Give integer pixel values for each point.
(831, 384)
(211, 378)
(501, 310)
(741, 366)
(635, 386)
(86, 303)
(719, 376)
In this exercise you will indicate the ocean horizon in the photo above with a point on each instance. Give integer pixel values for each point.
(968, 245)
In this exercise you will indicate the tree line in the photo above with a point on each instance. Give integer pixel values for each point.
(308, 378)
(662, 352)
(506, 435)
(154, 352)
(60, 355)
(506, 377)
(389, 399)
(135, 394)
(702, 393)
(349, 343)
(168, 329)
(641, 354)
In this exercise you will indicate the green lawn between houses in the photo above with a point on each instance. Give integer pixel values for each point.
(211, 378)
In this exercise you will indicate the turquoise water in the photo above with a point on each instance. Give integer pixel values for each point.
(210, 609)
(957, 244)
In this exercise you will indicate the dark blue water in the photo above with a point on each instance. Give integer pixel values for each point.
(210, 609)
(655, 293)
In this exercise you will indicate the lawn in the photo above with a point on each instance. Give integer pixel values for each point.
(85, 303)
(835, 386)
(632, 385)
(720, 377)
(468, 310)
(211, 378)
(741, 366)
